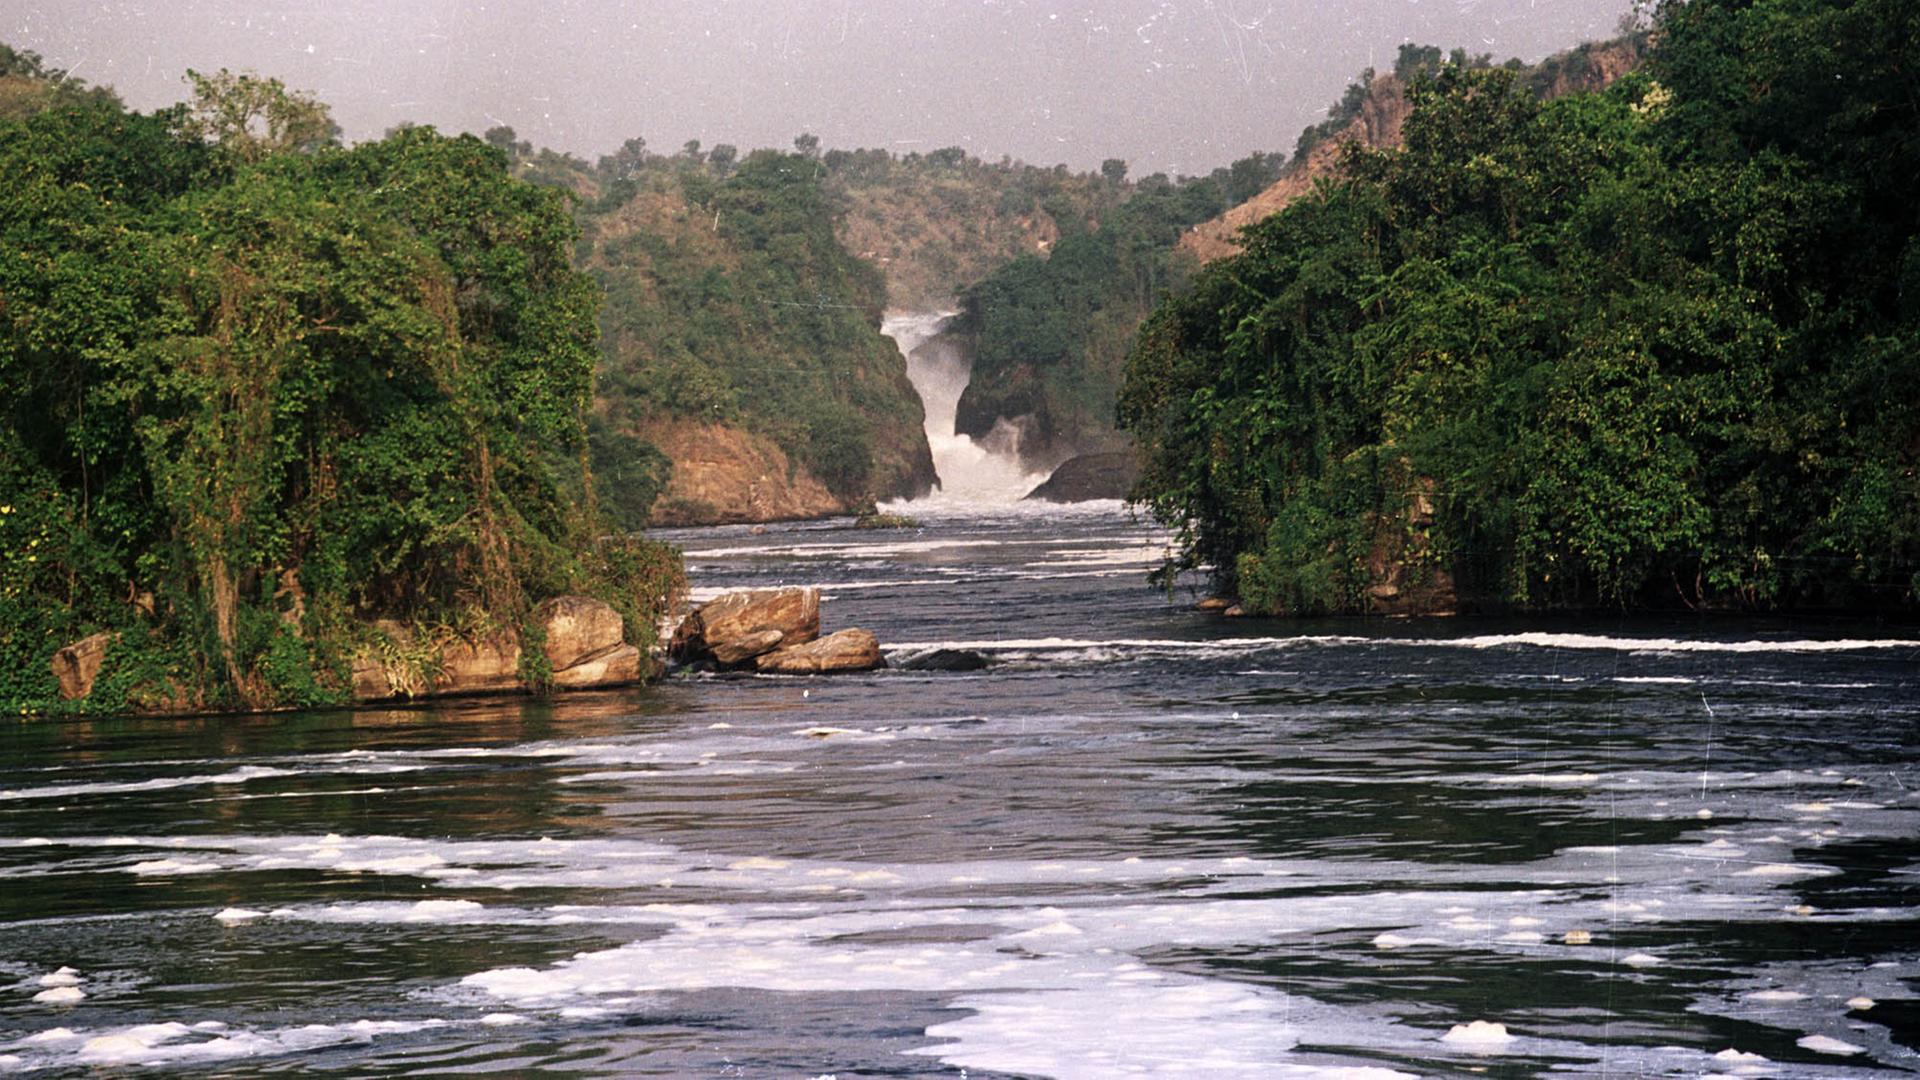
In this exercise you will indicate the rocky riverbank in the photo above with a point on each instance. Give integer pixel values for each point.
(569, 643)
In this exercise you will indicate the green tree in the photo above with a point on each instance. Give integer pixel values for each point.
(253, 116)
(1636, 346)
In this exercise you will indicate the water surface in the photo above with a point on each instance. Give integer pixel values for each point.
(1143, 841)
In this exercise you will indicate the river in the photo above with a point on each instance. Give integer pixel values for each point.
(1143, 841)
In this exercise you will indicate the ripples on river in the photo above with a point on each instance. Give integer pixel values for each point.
(1144, 841)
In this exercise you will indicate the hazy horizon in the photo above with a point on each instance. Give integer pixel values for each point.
(1180, 86)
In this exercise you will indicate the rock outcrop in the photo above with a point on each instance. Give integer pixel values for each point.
(1106, 475)
(1378, 126)
(776, 631)
(618, 666)
(489, 664)
(1403, 577)
(583, 642)
(578, 628)
(744, 648)
(740, 620)
(847, 650)
(77, 665)
(725, 476)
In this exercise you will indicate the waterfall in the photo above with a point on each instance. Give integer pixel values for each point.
(971, 473)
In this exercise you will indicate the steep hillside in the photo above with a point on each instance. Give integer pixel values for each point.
(1372, 113)
(741, 344)
(938, 222)
(744, 378)
(1643, 346)
(1047, 337)
(28, 86)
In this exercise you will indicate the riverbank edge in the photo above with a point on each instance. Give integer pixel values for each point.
(567, 644)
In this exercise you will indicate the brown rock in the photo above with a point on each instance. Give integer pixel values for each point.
(848, 650)
(615, 667)
(735, 616)
(1086, 477)
(578, 628)
(1213, 603)
(486, 665)
(748, 646)
(78, 664)
(1402, 578)
(724, 475)
(370, 682)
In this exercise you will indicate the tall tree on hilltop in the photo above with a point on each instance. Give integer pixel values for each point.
(253, 116)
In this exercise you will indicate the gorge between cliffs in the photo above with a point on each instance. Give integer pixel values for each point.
(1435, 595)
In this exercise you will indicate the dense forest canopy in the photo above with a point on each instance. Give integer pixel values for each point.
(258, 391)
(1048, 334)
(1649, 345)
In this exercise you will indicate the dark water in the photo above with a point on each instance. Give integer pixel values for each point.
(1143, 842)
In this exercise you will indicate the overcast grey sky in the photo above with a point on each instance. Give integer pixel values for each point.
(1173, 85)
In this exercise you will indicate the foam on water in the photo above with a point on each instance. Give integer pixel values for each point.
(241, 775)
(1226, 647)
(177, 1044)
(1041, 983)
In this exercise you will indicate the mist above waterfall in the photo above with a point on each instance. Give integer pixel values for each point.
(972, 472)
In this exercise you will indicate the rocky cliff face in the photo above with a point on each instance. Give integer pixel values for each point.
(742, 341)
(726, 476)
(1378, 127)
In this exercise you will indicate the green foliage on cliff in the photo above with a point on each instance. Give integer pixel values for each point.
(748, 291)
(1049, 336)
(730, 300)
(1652, 345)
(257, 390)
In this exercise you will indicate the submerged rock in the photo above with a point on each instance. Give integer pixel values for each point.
(1106, 475)
(947, 660)
(847, 650)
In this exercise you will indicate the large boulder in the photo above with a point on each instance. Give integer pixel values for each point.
(741, 649)
(615, 667)
(584, 648)
(578, 628)
(1107, 475)
(77, 665)
(848, 650)
(739, 616)
(485, 665)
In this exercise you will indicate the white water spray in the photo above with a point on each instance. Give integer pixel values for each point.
(971, 473)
